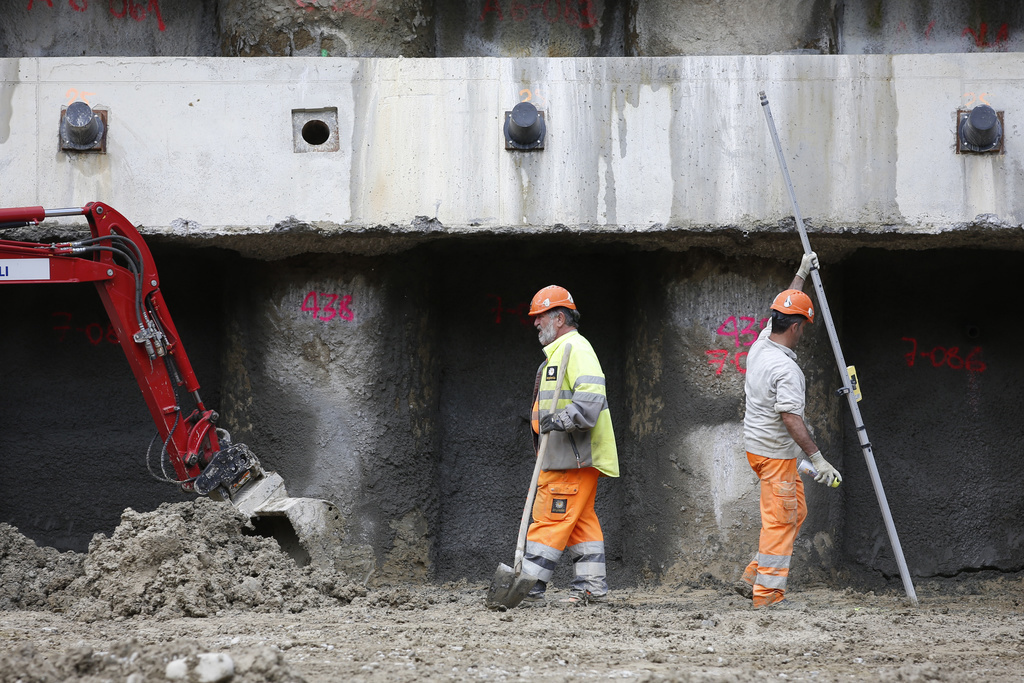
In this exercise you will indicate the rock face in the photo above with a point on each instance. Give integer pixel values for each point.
(341, 28)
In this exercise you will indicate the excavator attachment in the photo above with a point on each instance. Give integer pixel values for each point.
(199, 456)
(308, 529)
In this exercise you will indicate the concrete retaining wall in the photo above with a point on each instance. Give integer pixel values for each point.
(412, 415)
(633, 145)
(356, 315)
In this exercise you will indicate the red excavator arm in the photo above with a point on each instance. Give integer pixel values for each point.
(116, 259)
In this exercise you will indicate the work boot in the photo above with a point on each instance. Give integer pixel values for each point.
(536, 596)
(745, 589)
(578, 597)
(783, 605)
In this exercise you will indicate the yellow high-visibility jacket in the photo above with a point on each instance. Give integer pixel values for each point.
(591, 441)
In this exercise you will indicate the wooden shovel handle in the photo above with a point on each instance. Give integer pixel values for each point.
(524, 523)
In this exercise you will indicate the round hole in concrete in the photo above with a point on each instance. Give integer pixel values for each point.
(316, 132)
(972, 331)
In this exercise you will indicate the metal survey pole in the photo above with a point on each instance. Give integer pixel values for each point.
(848, 388)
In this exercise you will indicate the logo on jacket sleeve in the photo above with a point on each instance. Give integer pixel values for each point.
(551, 372)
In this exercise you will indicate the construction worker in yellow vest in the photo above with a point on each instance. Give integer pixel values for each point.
(775, 435)
(580, 449)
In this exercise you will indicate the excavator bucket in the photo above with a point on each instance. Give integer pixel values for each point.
(308, 529)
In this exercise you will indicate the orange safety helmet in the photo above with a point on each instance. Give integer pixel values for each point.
(794, 302)
(550, 297)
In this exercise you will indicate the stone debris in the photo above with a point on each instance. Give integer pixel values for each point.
(191, 559)
(208, 667)
(184, 661)
(30, 575)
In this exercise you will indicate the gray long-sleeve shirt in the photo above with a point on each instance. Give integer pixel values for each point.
(774, 384)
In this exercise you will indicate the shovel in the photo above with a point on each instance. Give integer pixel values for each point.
(509, 586)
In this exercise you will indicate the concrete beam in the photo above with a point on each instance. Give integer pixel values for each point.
(634, 146)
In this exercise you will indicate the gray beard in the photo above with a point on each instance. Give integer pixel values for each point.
(546, 335)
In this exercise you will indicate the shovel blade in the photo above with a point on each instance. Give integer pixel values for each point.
(508, 588)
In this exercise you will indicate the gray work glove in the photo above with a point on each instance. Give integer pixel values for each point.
(559, 422)
(827, 475)
(807, 263)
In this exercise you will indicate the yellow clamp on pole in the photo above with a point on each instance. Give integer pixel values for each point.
(855, 385)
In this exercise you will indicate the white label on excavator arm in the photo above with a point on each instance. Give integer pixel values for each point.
(24, 269)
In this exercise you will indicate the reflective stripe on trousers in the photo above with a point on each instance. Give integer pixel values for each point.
(563, 515)
(783, 510)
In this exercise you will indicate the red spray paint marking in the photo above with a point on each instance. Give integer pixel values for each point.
(943, 355)
(731, 327)
(364, 9)
(981, 35)
(519, 311)
(95, 333)
(720, 357)
(325, 306)
(129, 8)
(138, 11)
(578, 13)
(736, 332)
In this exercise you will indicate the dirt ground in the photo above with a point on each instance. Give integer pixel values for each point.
(181, 584)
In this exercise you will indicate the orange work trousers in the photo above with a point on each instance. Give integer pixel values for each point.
(564, 519)
(783, 510)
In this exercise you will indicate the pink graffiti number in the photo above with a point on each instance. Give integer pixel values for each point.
(736, 327)
(720, 357)
(735, 331)
(325, 306)
(948, 356)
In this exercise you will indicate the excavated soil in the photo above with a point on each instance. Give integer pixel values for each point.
(183, 593)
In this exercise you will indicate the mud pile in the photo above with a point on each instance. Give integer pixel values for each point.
(129, 661)
(191, 559)
(30, 575)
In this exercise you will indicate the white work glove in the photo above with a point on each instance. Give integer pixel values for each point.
(808, 262)
(827, 475)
